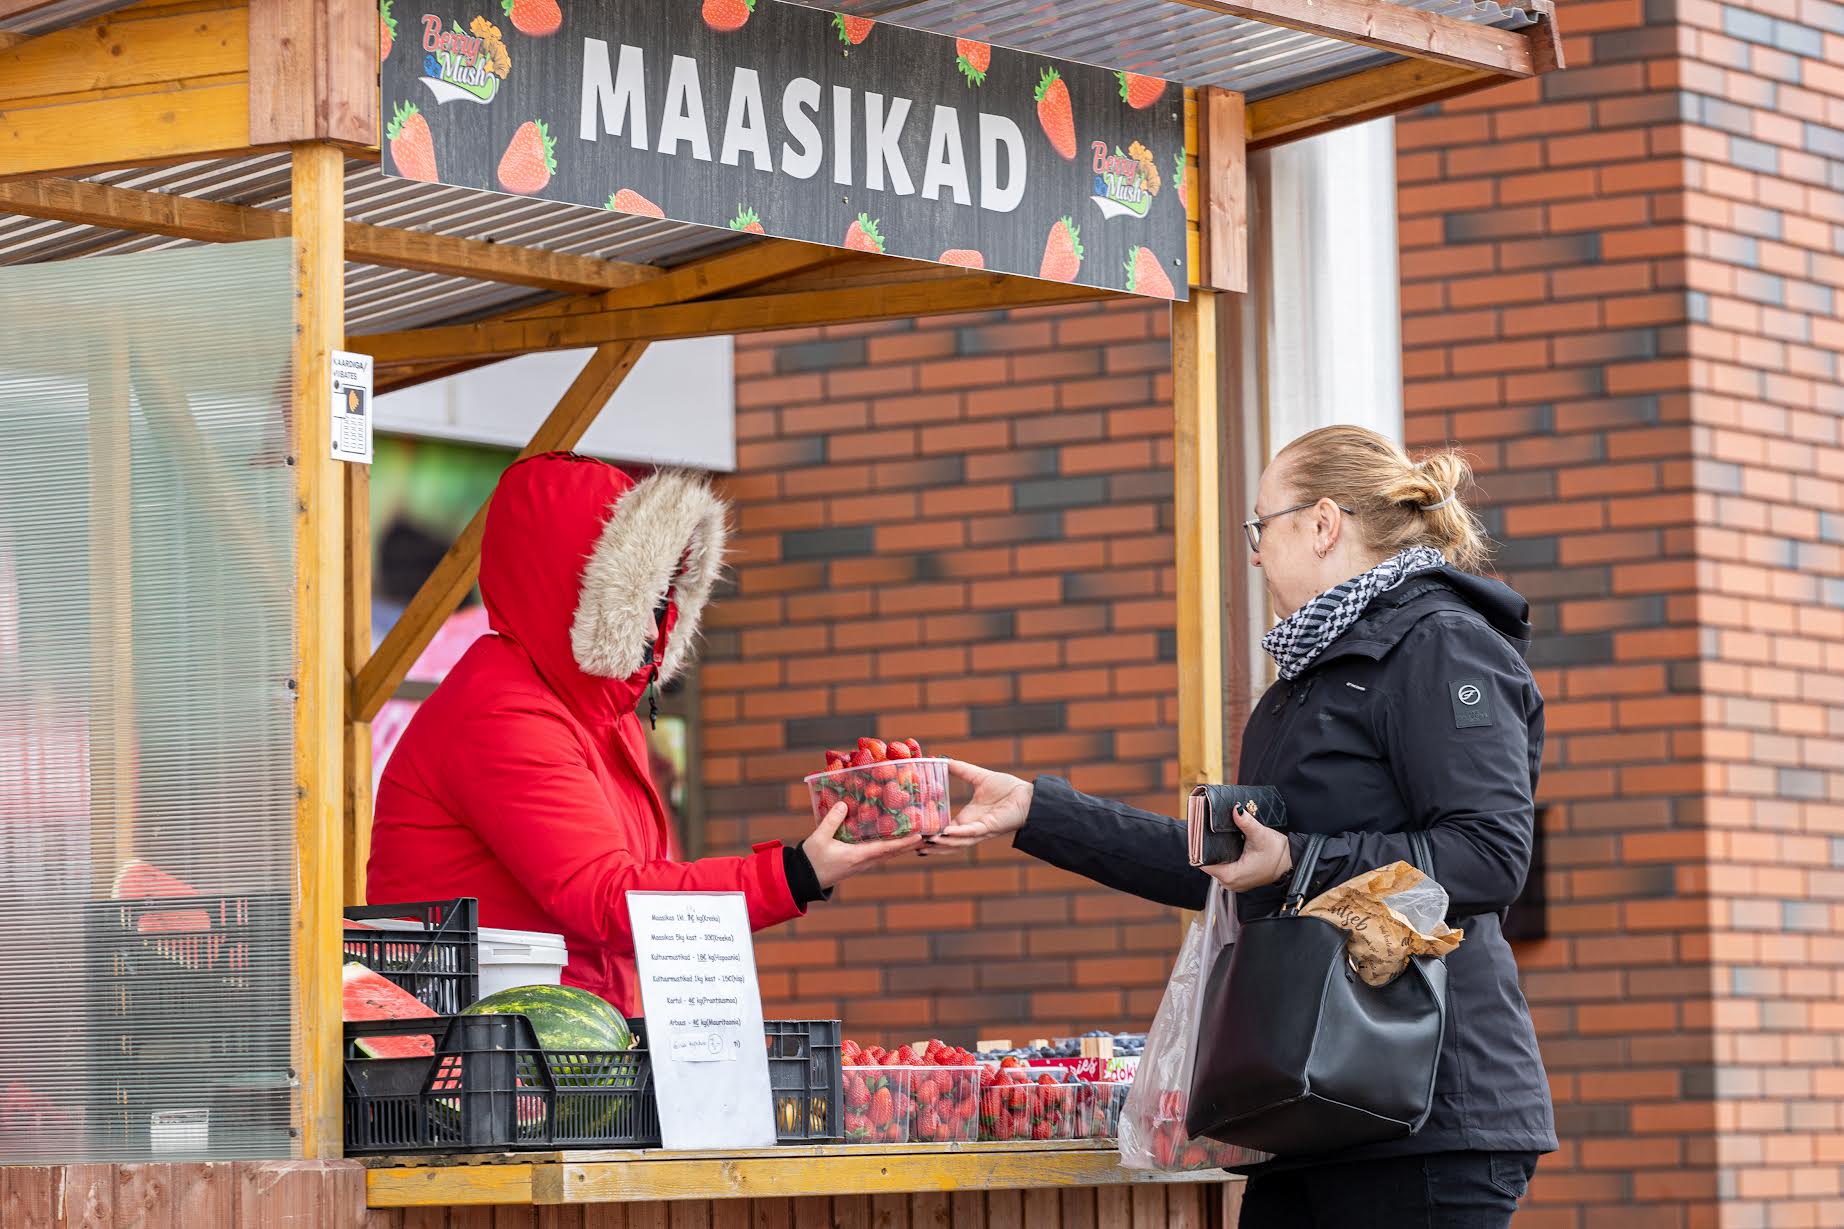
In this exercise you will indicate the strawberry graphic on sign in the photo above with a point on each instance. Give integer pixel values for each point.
(852, 30)
(1055, 113)
(629, 201)
(966, 258)
(747, 221)
(387, 31)
(725, 16)
(412, 145)
(530, 159)
(538, 18)
(973, 59)
(1145, 275)
(1062, 253)
(1140, 92)
(862, 236)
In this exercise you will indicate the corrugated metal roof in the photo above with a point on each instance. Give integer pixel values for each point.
(379, 299)
(1165, 39)
(1160, 37)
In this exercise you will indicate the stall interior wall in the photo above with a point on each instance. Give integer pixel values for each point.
(146, 641)
(959, 529)
(1621, 287)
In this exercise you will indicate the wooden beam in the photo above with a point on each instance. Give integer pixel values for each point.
(314, 71)
(184, 217)
(319, 203)
(357, 644)
(1223, 192)
(1392, 27)
(1361, 96)
(127, 52)
(179, 123)
(1198, 515)
(112, 714)
(747, 314)
(454, 576)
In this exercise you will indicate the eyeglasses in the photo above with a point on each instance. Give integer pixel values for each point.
(1253, 528)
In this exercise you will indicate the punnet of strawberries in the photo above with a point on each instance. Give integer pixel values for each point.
(1174, 1149)
(1020, 1102)
(891, 789)
(905, 1096)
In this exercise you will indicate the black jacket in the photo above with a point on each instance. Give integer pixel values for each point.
(1421, 715)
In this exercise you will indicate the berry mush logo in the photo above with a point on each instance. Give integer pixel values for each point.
(1125, 184)
(464, 65)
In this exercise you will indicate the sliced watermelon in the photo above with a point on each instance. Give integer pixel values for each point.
(372, 996)
(142, 880)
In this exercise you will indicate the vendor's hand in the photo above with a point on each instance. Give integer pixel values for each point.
(835, 860)
(999, 805)
(1266, 857)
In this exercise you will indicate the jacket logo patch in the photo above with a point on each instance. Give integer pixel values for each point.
(1469, 703)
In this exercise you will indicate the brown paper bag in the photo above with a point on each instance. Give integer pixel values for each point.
(1382, 939)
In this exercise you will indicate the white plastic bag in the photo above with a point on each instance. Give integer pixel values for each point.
(1152, 1124)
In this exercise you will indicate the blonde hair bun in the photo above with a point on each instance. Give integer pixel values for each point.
(1398, 502)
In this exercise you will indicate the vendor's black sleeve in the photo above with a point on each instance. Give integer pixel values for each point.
(803, 884)
(1112, 843)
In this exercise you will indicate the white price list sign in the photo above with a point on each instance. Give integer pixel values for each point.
(351, 407)
(703, 1004)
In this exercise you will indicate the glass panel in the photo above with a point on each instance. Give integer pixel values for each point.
(146, 731)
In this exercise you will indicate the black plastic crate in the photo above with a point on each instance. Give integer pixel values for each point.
(439, 964)
(490, 1087)
(805, 1078)
(218, 1086)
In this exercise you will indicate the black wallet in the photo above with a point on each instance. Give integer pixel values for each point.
(1211, 824)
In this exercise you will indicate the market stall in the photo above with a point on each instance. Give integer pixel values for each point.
(600, 203)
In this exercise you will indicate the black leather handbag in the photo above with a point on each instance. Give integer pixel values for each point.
(1296, 1054)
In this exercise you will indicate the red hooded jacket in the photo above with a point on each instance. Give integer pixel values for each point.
(523, 779)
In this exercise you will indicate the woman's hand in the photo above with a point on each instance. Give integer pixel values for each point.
(1266, 857)
(999, 805)
(835, 860)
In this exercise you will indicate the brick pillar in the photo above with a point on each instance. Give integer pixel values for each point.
(1619, 290)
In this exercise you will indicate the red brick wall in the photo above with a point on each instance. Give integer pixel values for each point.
(1620, 289)
(957, 529)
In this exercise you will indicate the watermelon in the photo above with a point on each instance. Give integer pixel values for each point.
(142, 880)
(372, 996)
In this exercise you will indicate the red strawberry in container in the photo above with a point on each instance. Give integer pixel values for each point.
(892, 788)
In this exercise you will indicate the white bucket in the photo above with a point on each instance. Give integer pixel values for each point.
(511, 958)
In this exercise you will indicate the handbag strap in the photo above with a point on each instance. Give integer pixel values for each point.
(1303, 874)
(1422, 852)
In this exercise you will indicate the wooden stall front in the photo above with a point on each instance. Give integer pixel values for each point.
(96, 98)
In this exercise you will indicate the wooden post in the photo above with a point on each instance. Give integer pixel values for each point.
(318, 209)
(111, 713)
(1222, 191)
(1197, 438)
(357, 767)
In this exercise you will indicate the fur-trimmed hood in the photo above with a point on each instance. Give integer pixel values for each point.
(600, 576)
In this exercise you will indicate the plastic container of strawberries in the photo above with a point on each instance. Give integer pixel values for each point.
(888, 800)
(911, 1105)
(1038, 1103)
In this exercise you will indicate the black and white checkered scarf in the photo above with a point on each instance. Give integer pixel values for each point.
(1297, 640)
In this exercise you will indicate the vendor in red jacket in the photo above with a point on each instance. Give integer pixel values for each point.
(523, 779)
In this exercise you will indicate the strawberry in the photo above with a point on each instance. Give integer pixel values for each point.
(886, 826)
(974, 59)
(915, 748)
(1062, 252)
(874, 745)
(914, 818)
(1146, 276)
(1165, 1151)
(629, 201)
(747, 220)
(893, 1134)
(412, 145)
(883, 1108)
(862, 236)
(862, 757)
(537, 18)
(1009, 1062)
(727, 15)
(896, 750)
(852, 30)
(1194, 1157)
(857, 1126)
(966, 258)
(905, 1057)
(529, 161)
(1055, 113)
(928, 1126)
(1139, 91)
(387, 31)
(895, 797)
(1046, 1080)
(1041, 1131)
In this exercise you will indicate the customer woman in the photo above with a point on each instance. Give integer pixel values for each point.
(1403, 703)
